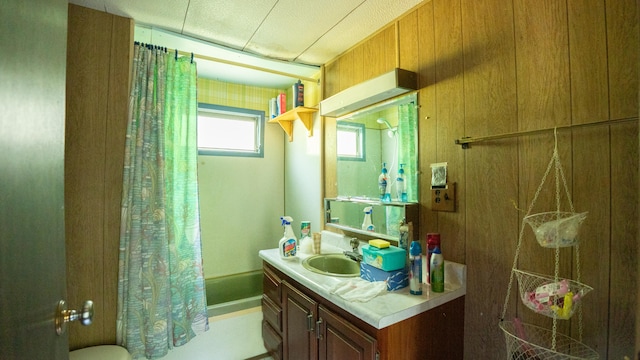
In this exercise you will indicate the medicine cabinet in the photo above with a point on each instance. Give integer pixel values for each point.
(385, 134)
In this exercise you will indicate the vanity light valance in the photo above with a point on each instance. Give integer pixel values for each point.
(383, 87)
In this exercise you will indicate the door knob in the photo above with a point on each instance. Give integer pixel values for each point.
(64, 316)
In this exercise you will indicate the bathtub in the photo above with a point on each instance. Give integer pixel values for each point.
(234, 292)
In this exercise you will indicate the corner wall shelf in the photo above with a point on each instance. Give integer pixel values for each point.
(304, 114)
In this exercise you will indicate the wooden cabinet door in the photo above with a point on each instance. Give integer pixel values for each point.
(299, 320)
(339, 340)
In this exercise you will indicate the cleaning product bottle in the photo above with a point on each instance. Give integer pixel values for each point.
(433, 242)
(400, 187)
(289, 243)
(367, 224)
(382, 184)
(437, 271)
(415, 272)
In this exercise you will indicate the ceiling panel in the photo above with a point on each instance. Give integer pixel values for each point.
(365, 20)
(293, 26)
(227, 22)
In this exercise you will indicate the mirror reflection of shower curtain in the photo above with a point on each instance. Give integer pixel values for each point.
(161, 296)
(407, 155)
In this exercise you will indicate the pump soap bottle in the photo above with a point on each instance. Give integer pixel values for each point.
(400, 185)
(415, 272)
(289, 243)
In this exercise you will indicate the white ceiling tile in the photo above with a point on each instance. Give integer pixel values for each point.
(229, 22)
(368, 18)
(295, 25)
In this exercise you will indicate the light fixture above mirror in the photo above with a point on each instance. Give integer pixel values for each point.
(386, 86)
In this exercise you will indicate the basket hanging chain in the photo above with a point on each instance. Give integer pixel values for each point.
(560, 172)
(515, 258)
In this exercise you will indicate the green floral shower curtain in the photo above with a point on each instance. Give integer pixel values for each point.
(408, 147)
(161, 296)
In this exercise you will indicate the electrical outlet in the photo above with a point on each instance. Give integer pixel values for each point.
(444, 199)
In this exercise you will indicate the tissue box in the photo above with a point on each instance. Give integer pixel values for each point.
(396, 279)
(387, 259)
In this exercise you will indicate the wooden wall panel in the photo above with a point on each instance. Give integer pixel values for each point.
(493, 67)
(98, 66)
(449, 88)
(622, 40)
(427, 121)
(408, 42)
(588, 59)
(542, 71)
(622, 311)
(491, 172)
(591, 180)
(84, 167)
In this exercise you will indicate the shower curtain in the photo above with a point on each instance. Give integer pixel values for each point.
(161, 295)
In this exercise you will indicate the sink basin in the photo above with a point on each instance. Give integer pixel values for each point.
(332, 265)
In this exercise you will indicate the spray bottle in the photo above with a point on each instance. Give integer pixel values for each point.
(437, 271)
(382, 184)
(415, 272)
(289, 243)
(367, 224)
(400, 186)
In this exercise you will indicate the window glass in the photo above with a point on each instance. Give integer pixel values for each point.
(229, 131)
(350, 141)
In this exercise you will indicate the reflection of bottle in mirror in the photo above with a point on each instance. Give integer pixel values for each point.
(382, 184)
(400, 186)
(367, 224)
(415, 272)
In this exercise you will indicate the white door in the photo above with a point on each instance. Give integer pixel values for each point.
(33, 36)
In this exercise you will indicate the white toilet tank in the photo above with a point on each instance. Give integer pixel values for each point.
(101, 352)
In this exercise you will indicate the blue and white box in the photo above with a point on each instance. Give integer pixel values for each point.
(396, 279)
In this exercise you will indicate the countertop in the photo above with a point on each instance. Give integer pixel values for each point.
(383, 310)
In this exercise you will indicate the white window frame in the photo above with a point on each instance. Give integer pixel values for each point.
(211, 112)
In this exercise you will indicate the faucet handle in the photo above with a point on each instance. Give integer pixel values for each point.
(354, 244)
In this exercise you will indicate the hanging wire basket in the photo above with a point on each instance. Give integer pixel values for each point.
(556, 229)
(529, 342)
(559, 298)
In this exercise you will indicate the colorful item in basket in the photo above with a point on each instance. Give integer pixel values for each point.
(552, 298)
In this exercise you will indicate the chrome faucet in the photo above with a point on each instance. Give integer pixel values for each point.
(353, 254)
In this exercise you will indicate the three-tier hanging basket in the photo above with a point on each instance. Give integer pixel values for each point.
(549, 295)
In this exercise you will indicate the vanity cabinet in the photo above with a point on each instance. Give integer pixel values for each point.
(305, 325)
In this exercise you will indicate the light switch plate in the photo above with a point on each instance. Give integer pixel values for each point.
(444, 199)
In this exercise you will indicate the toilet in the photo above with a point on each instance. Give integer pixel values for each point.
(100, 352)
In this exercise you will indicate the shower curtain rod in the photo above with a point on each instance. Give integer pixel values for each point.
(252, 67)
(465, 141)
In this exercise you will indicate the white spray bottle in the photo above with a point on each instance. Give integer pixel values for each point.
(289, 243)
(367, 224)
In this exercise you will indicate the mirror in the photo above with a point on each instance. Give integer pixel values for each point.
(386, 133)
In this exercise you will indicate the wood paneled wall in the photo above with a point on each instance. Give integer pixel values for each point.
(99, 54)
(491, 67)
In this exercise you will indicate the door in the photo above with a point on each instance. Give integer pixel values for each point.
(340, 340)
(299, 323)
(32, 246)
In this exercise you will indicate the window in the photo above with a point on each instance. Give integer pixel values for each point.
(350, 141)
(229, 131)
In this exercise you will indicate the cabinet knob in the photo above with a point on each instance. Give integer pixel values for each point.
(319, 329)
